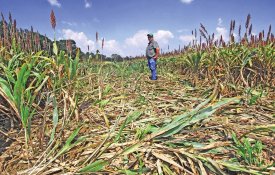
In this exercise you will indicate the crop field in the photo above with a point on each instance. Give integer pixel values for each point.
(211, 111)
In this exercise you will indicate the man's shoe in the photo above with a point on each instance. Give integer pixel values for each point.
(150, 77)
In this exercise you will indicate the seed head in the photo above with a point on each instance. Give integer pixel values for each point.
(250, 29)
(269, 32)
(240, 28)
(96, 36)
(247, 21)
(53, 20)
(233, 25)
(69, 46)
(102, 43)
(203, 34)
(204, 29)
(10, 18)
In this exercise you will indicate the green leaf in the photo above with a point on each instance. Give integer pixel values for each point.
(195, 116)
(133, 116)
(74, 65)
(72, 136)
(103, 103)
(6, 89)
(55, 119)
(107, 89)
(68, 145)
(55, 49)
(94, 167)
(167, 170)
(131, 149)
(20, 84)
(143, 170)
(25, 111)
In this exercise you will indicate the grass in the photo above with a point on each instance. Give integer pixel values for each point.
(251, 154)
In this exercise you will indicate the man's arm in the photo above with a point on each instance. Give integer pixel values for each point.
(156, 46)
(157, 53)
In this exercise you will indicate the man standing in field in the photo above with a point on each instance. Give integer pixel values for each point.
(152, 52)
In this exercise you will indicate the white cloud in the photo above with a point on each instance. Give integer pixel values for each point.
(221, 31)
(69, 23)
(54, 3)
(111, 47)
(87, 4)
(136, 44)
(80, 38)
(186, 1)
(131, 46)
(220, 22)
(82, 41)
(163, 36)
(138, 39)
(186, 38)
(182, 30)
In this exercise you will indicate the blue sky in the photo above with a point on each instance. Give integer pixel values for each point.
(124, 23)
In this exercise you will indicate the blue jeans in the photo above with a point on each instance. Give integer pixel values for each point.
(152, 64)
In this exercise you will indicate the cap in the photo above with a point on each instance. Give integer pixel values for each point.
(150, 35)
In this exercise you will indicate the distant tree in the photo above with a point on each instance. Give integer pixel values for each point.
(116, 57)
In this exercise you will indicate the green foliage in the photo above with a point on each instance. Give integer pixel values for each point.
(194, 60)
(193, 116)
(94, 167)
(22, 90)
(55, 119)
(130, 118)
(141, 100)
(143, 131)
(253, 96)
(250, 153)
(23, 76)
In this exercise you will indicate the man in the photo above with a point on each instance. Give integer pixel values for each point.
(152, 53)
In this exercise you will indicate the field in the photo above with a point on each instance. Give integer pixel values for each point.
(212, 110)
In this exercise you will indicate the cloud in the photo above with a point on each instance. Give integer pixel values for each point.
(87, 4)
(138, 39)
(80, 38)
(111, 47)
(220, 22)
(221, 31)
(186, 39)
(131, 46)
(187, 1)
(182, 30)
(82, 41)
(69, 23)
(163, 36)
(136, 44)
(54, 3)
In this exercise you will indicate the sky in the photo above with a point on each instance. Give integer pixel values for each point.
(124, 23)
